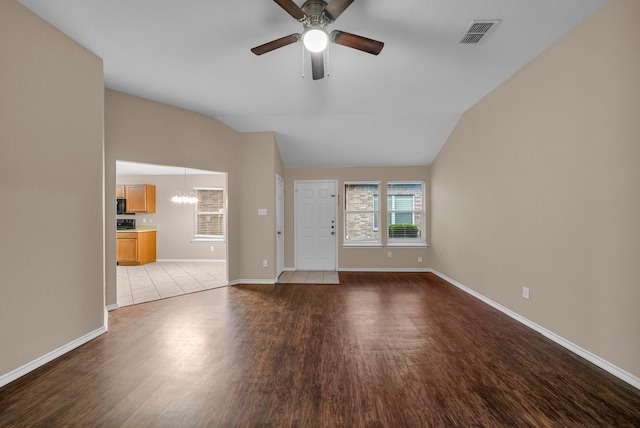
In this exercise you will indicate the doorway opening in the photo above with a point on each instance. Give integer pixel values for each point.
(279, 225)
(190, 245)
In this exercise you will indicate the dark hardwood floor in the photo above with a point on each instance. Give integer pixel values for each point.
(379, 350)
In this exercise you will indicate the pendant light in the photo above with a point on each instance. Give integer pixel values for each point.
(183, 198)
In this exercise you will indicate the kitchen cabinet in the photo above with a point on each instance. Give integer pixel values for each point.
(141, 198)
(136, 248)
(120, 192)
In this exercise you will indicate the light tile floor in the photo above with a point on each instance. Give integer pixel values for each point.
(155, 281)
(311, 277)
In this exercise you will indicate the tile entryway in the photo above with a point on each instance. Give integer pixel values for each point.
(159, 280)
(309, 277)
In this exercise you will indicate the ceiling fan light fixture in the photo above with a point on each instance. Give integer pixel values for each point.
(315, 39)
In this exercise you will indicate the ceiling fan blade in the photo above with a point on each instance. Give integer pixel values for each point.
(317, 65)
(336, 7)
(275, 44)
(291, 8)
(357, 42)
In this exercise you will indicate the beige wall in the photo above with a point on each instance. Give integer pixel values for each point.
(358, 258)
(51, 222)
(258, 151)
(141, 130)
(176, 222)
(539, 186)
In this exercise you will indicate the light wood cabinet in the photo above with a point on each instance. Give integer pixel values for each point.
(127, 248)
(136, 248)
(141, 198)
(120, 192)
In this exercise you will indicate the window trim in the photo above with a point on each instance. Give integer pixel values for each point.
(365, 242)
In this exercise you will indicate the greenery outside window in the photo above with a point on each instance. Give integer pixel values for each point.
(405, 212)
(209, 214)
(361, 213)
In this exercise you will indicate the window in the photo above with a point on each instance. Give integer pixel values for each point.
(361, 213)
(209, 220)
(405, 211)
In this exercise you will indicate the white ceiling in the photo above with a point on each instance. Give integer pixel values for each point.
(397, 108)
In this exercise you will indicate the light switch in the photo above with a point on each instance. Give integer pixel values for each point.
(262, 211)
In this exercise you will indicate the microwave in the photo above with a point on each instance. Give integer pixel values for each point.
(121, 206)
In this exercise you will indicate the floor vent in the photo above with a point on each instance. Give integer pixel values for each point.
(478, 31)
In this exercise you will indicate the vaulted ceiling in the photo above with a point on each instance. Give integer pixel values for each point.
(397, 108)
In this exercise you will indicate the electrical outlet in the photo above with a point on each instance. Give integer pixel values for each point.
(144, 219)
(419, 259)
(525, 292)
(389, 254)
(213, 248)
(265, 263)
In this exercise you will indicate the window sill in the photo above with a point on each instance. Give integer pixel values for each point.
(408, 244)
(371, 245)
(207, 240)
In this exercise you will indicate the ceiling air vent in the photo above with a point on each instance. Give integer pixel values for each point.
(478, 31)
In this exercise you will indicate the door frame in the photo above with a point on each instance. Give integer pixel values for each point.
(280, 238)
(295, 218)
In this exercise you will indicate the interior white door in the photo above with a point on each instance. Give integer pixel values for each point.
(279, 224)
(316, 229)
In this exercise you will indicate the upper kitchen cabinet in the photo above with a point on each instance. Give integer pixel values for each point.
(141, 198)
(120, 191)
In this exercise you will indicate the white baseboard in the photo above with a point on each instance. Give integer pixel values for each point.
(252, 281)
(112, 307)
(395, 269)
(592, 358)
(392, 269)
(39, 362)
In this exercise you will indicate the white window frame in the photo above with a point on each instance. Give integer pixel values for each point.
(208, 238)
(390, 211)
(373, 242)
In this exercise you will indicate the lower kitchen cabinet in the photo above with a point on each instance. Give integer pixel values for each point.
(136, 248)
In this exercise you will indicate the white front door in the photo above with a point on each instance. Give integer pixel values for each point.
(279, 225)
(316, 228)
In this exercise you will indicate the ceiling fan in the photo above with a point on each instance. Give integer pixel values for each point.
(315, 15)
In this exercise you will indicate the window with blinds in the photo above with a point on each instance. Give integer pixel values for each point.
(405, 211)
(361, 213)
(209, 213)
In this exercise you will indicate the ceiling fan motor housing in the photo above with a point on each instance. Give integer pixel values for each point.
(315, 16)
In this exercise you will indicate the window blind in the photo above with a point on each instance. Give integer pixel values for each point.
(209, 213)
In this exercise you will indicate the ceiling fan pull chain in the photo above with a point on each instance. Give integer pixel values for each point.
(302, 60)
(328, 60)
